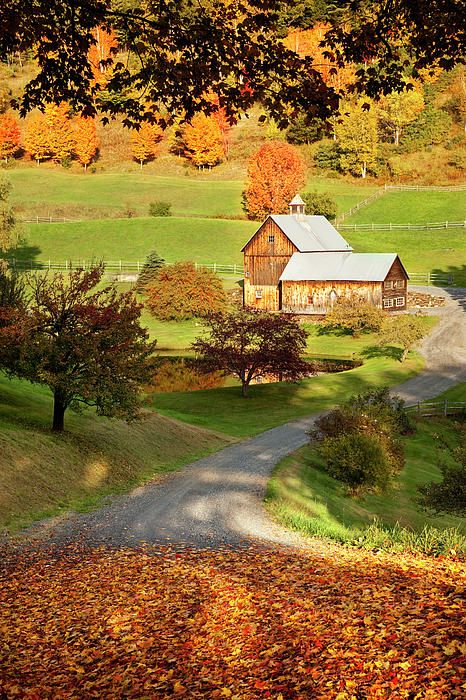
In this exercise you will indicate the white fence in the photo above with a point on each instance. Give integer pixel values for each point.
(430, 226)
(117, 266)
(427, 188)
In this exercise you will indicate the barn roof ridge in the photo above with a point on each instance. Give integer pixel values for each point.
(308, 233)
(335, 266)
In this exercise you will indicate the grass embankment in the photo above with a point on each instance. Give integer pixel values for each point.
(411, 207)
(42, 473)
(50, 191)
(303, 497)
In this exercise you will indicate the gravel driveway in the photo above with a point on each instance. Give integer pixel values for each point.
(218, 500)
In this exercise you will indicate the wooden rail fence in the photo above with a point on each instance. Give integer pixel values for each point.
(438, 408)
(432, 226)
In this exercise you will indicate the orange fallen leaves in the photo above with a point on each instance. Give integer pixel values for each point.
(243, 625)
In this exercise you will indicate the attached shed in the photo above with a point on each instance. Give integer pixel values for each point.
(301, 264)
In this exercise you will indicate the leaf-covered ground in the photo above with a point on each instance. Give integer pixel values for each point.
(246, 624)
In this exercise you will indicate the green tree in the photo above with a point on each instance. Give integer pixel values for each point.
(404, 330)
(251, 344)
(356, 133)
(301, 130)
(321, 203)
(431, 127)
(400, 109)
(352, 314)
(83, 342)
(9, 227)
(149, 271)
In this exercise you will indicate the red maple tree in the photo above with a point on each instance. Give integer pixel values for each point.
(9, 136)
(275, 174)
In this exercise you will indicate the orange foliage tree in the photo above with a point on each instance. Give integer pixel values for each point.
(61, 138)
(144, 142)
(100, 53)
(36, 138)
(9, 136)
(275, 173)
(182, 291)
(204, 141)
(86, 141)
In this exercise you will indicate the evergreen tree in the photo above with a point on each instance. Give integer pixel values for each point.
(149, 271)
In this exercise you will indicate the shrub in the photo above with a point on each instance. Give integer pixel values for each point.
(320, 203)
(182, 291)
(357, 460)
(448, 496)
(160, 209)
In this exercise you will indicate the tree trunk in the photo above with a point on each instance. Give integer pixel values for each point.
(59, 408)
(404, 354)
(363, 169)
(140, 163)
(244, 389)
(397, 137)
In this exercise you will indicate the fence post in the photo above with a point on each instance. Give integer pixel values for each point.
(49, 264)
(120, 265)
(215, 267)
(445, 411)
(419, 407)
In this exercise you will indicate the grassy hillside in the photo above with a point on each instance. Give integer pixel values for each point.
(42, 473)
(304, 497)
(412, 207)
(46, 191)
(201, 240)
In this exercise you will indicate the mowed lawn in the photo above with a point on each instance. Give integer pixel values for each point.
(411, 207)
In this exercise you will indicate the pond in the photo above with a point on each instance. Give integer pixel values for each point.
(175, 373)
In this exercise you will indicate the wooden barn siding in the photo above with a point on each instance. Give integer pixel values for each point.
(259, 245)
(296, 295)
(270, 297)
(264, 262)
(396, 272)
(264, 270)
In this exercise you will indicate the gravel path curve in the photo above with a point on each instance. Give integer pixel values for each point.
(217, 501)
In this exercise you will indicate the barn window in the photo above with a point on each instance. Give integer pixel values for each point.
(271, 239)
(258, 293)
(387, 303)
(399, 284)
(400, 301)
(388, 284)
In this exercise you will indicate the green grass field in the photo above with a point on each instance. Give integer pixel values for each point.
(302, 496)
(48, 191)
(42, 473)
(412, 207)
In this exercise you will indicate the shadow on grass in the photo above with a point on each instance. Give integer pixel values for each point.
(379, 351)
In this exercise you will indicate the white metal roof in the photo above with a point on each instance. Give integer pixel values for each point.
(332, 266)
(310, 233)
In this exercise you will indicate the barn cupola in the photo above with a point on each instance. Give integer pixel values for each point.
(297, 207)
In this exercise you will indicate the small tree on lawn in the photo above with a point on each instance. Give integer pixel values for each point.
(252, 344)
(149, 271)
(36, 138)
(320, 203)
(203, 140)
(355, 316)
(84, 343)
(182, 291)
(403, 330)
(144, 142)
(9, 227)
(87, 143)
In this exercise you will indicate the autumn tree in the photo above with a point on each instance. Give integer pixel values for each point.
(405, 330)
(203, 141)
(398, 109)
(275, 173)
(144, 142)
(251, 344)
(10, 135)
(36, 138)
(86, 142)
(84, 342)
(179, 50)
(61, 136)
(353, 314)
(182, 290)
(101, 52)
(356, 133)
